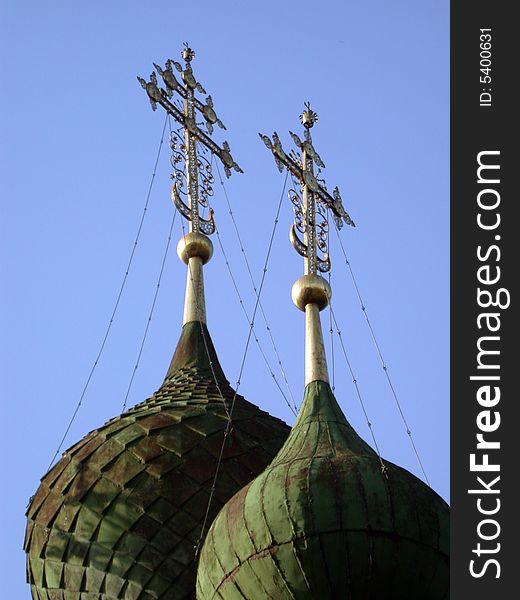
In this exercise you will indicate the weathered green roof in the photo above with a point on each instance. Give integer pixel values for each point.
(323, 521)
(119, 515)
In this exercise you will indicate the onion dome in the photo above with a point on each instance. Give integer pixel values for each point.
(328, 518)
(120, 514)
(325, 521)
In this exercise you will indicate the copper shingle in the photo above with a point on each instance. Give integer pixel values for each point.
(121, 512)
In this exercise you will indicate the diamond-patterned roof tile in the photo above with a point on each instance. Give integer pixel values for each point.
(49, 508)
(82, 483)
(77, 551)
(88, 448)
(94, 579)
(53, 572)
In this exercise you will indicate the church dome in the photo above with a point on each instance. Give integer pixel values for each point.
(120, 515)
(328, 518)
(325, 520)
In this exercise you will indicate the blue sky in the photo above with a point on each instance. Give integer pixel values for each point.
(78, 147)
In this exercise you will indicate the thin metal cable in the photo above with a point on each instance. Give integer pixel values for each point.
(268, 328)
(331, 331)
(294, 408)
(228, 265)
(145, 334)
(130, 260)
(358, 392)
(380, 354)
(228, 426)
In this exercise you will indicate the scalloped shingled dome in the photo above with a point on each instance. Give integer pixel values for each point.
(120, 514)
(323, 521)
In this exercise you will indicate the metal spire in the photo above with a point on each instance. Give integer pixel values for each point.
(311, 293)
(192, 176)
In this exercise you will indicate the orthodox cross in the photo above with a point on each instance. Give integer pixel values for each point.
(309, 216)
(180, 102)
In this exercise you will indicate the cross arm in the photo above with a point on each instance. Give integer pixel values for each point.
(280, 157)
(159, 96)
(333, 202)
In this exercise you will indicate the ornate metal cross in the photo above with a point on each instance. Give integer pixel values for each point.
(196, 170)
(309, 217)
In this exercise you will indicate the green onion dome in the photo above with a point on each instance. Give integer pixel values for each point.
(120, 515)
(324, 520)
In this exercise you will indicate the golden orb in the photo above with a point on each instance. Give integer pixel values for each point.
(195, 244)
(311, 289)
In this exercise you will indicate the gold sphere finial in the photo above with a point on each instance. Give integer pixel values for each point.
(308, 116)
(195, 244)
(311, 289)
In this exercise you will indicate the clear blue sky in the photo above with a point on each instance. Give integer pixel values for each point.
(78, 146)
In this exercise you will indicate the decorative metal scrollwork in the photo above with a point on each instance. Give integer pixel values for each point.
(206, 180)
(179, 188)
(206, 226)
(322, 239)
(299, 217)
(301, 226)
(177, 161)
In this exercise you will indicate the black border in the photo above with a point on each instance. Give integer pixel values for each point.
(474, 129)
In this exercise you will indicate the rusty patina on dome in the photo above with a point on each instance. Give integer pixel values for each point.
(323, 521)
(120, 514)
